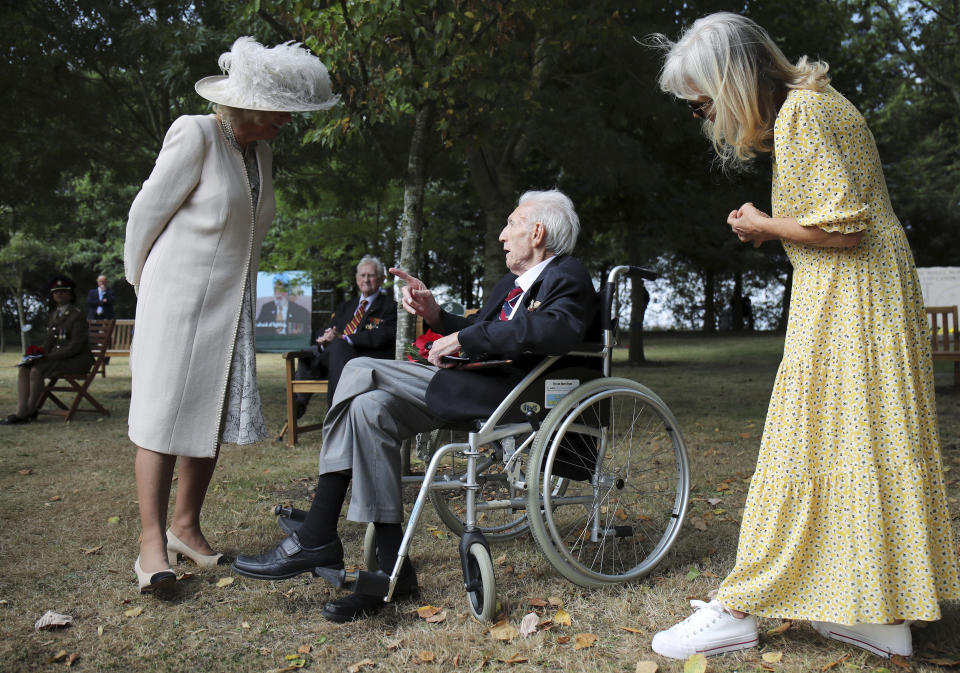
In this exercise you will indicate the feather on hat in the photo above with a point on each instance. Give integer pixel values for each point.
(284, 78)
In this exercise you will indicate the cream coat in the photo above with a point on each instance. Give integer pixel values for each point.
(193, 240)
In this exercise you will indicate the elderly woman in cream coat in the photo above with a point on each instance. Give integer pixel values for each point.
(191, 252)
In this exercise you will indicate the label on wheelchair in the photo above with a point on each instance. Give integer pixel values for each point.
(555, 390)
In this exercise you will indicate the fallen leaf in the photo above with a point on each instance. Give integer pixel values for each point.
(621, 514)
(698, 523)
(537, 603)
(224, 582)
(900, 662)
(772, 657)
(745, 435)
(304, 649)
(25, 471)
(504, 631)
(714, 501)
(244, 625)
(501, 559)
(697, 663)
(584, 640)
(563, 640)
(692, 574)
(630, 629)
(92, 550)
(528, 625)
(644, 666)
(942, 661)
(555, 602)
(72, 658)
(52, 620)
(265, 651)
(437, 618)
(393, 644)
(777, 630)
(837, 662)
(355, 668)
(562, 617)
(56, 498)
(113, 520)
(427, 611)
(134, 612)
(62, 654)
(100, 630)
(515, 659)
(425, 656)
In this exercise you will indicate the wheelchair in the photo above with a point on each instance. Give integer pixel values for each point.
(593, 466)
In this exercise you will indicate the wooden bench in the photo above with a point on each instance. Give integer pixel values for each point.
(119, 344)
(945, 337)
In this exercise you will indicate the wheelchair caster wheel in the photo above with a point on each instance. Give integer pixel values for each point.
(480, 583)
(370, 549)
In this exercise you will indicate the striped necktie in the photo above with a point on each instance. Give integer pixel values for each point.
(357, 317)
(507, 309)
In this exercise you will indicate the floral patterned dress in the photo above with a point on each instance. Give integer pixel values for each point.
(846, 519)
(243, 421)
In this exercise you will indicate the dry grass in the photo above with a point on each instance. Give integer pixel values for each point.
(81, 475)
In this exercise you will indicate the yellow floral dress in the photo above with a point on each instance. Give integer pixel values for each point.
(846, 519)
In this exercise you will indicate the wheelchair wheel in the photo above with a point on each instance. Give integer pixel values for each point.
(496, 484)
(481, 585)
(370, 549)
(619, 449)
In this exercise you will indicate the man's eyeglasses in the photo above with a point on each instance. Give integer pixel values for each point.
(700, 107)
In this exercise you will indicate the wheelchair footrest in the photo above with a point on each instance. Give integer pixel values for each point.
(360, 581)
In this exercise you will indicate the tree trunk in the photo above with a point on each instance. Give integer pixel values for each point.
(785, 306)
(639, 299)
(736, 303)
(494, 185)
(411, 224)
(709, 304)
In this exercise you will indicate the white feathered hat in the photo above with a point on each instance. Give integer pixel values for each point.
(285, 78)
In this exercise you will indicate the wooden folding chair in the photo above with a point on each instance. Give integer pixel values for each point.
(291, 429)
(945, 337)
(100, 336)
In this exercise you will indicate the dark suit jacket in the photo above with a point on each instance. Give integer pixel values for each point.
(558, 313)
(377, 332)
(298, 318)
(93, 301)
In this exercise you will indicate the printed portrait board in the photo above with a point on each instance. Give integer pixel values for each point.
(283, 306)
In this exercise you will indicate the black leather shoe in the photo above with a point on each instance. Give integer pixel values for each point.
(358, 606)
(13, 419)
(289, 559)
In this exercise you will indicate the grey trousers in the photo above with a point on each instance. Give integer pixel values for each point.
(377, 405)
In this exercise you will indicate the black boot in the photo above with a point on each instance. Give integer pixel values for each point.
(358, 606)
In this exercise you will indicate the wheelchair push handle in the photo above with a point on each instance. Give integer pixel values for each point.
(610, 288)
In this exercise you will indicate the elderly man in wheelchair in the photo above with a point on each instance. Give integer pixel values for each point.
(542, 309)
(543, 306)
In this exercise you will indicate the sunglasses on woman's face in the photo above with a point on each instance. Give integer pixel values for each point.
(699, 107)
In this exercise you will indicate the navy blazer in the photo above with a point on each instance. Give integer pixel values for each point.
(93, 301)
(376, 334)
(557, 313)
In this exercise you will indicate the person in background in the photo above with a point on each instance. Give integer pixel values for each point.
(364, 325)
(846, 521)
(66, 350)
(191, 252)
(100, 301)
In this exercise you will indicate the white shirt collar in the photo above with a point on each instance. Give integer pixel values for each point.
(528, 277)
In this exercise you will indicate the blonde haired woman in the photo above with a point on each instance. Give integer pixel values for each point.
(846, 523)
(192, 251)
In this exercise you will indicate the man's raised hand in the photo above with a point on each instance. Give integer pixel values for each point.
(417, 299)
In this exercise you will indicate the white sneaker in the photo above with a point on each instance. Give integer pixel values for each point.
(712, 629)
(884, 640)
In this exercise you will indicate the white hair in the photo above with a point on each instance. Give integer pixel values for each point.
(733, 61)
(554, 210)
(370, 259)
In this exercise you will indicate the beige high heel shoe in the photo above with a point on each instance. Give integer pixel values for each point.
(175, 546)
(151, 581)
